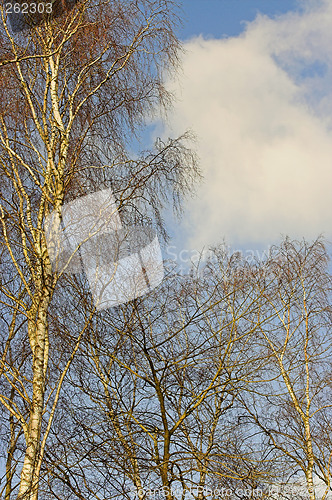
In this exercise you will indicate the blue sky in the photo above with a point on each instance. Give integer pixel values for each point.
(220, 18)
(256, 88)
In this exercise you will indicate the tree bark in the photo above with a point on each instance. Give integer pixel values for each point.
(38, 336)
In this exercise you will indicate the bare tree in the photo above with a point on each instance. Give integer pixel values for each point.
(291, 400)
(157, 384)
(67, 86)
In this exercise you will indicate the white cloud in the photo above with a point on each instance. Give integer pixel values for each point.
(261, 106)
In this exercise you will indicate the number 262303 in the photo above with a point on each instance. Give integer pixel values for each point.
(31, 8)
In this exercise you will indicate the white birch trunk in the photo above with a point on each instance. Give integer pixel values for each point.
(38, 335)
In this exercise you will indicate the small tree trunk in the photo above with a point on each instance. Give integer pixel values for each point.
(309, 472)
(11, 450)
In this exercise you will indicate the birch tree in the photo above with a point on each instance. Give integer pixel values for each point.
(291, 400)
(73, 92)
